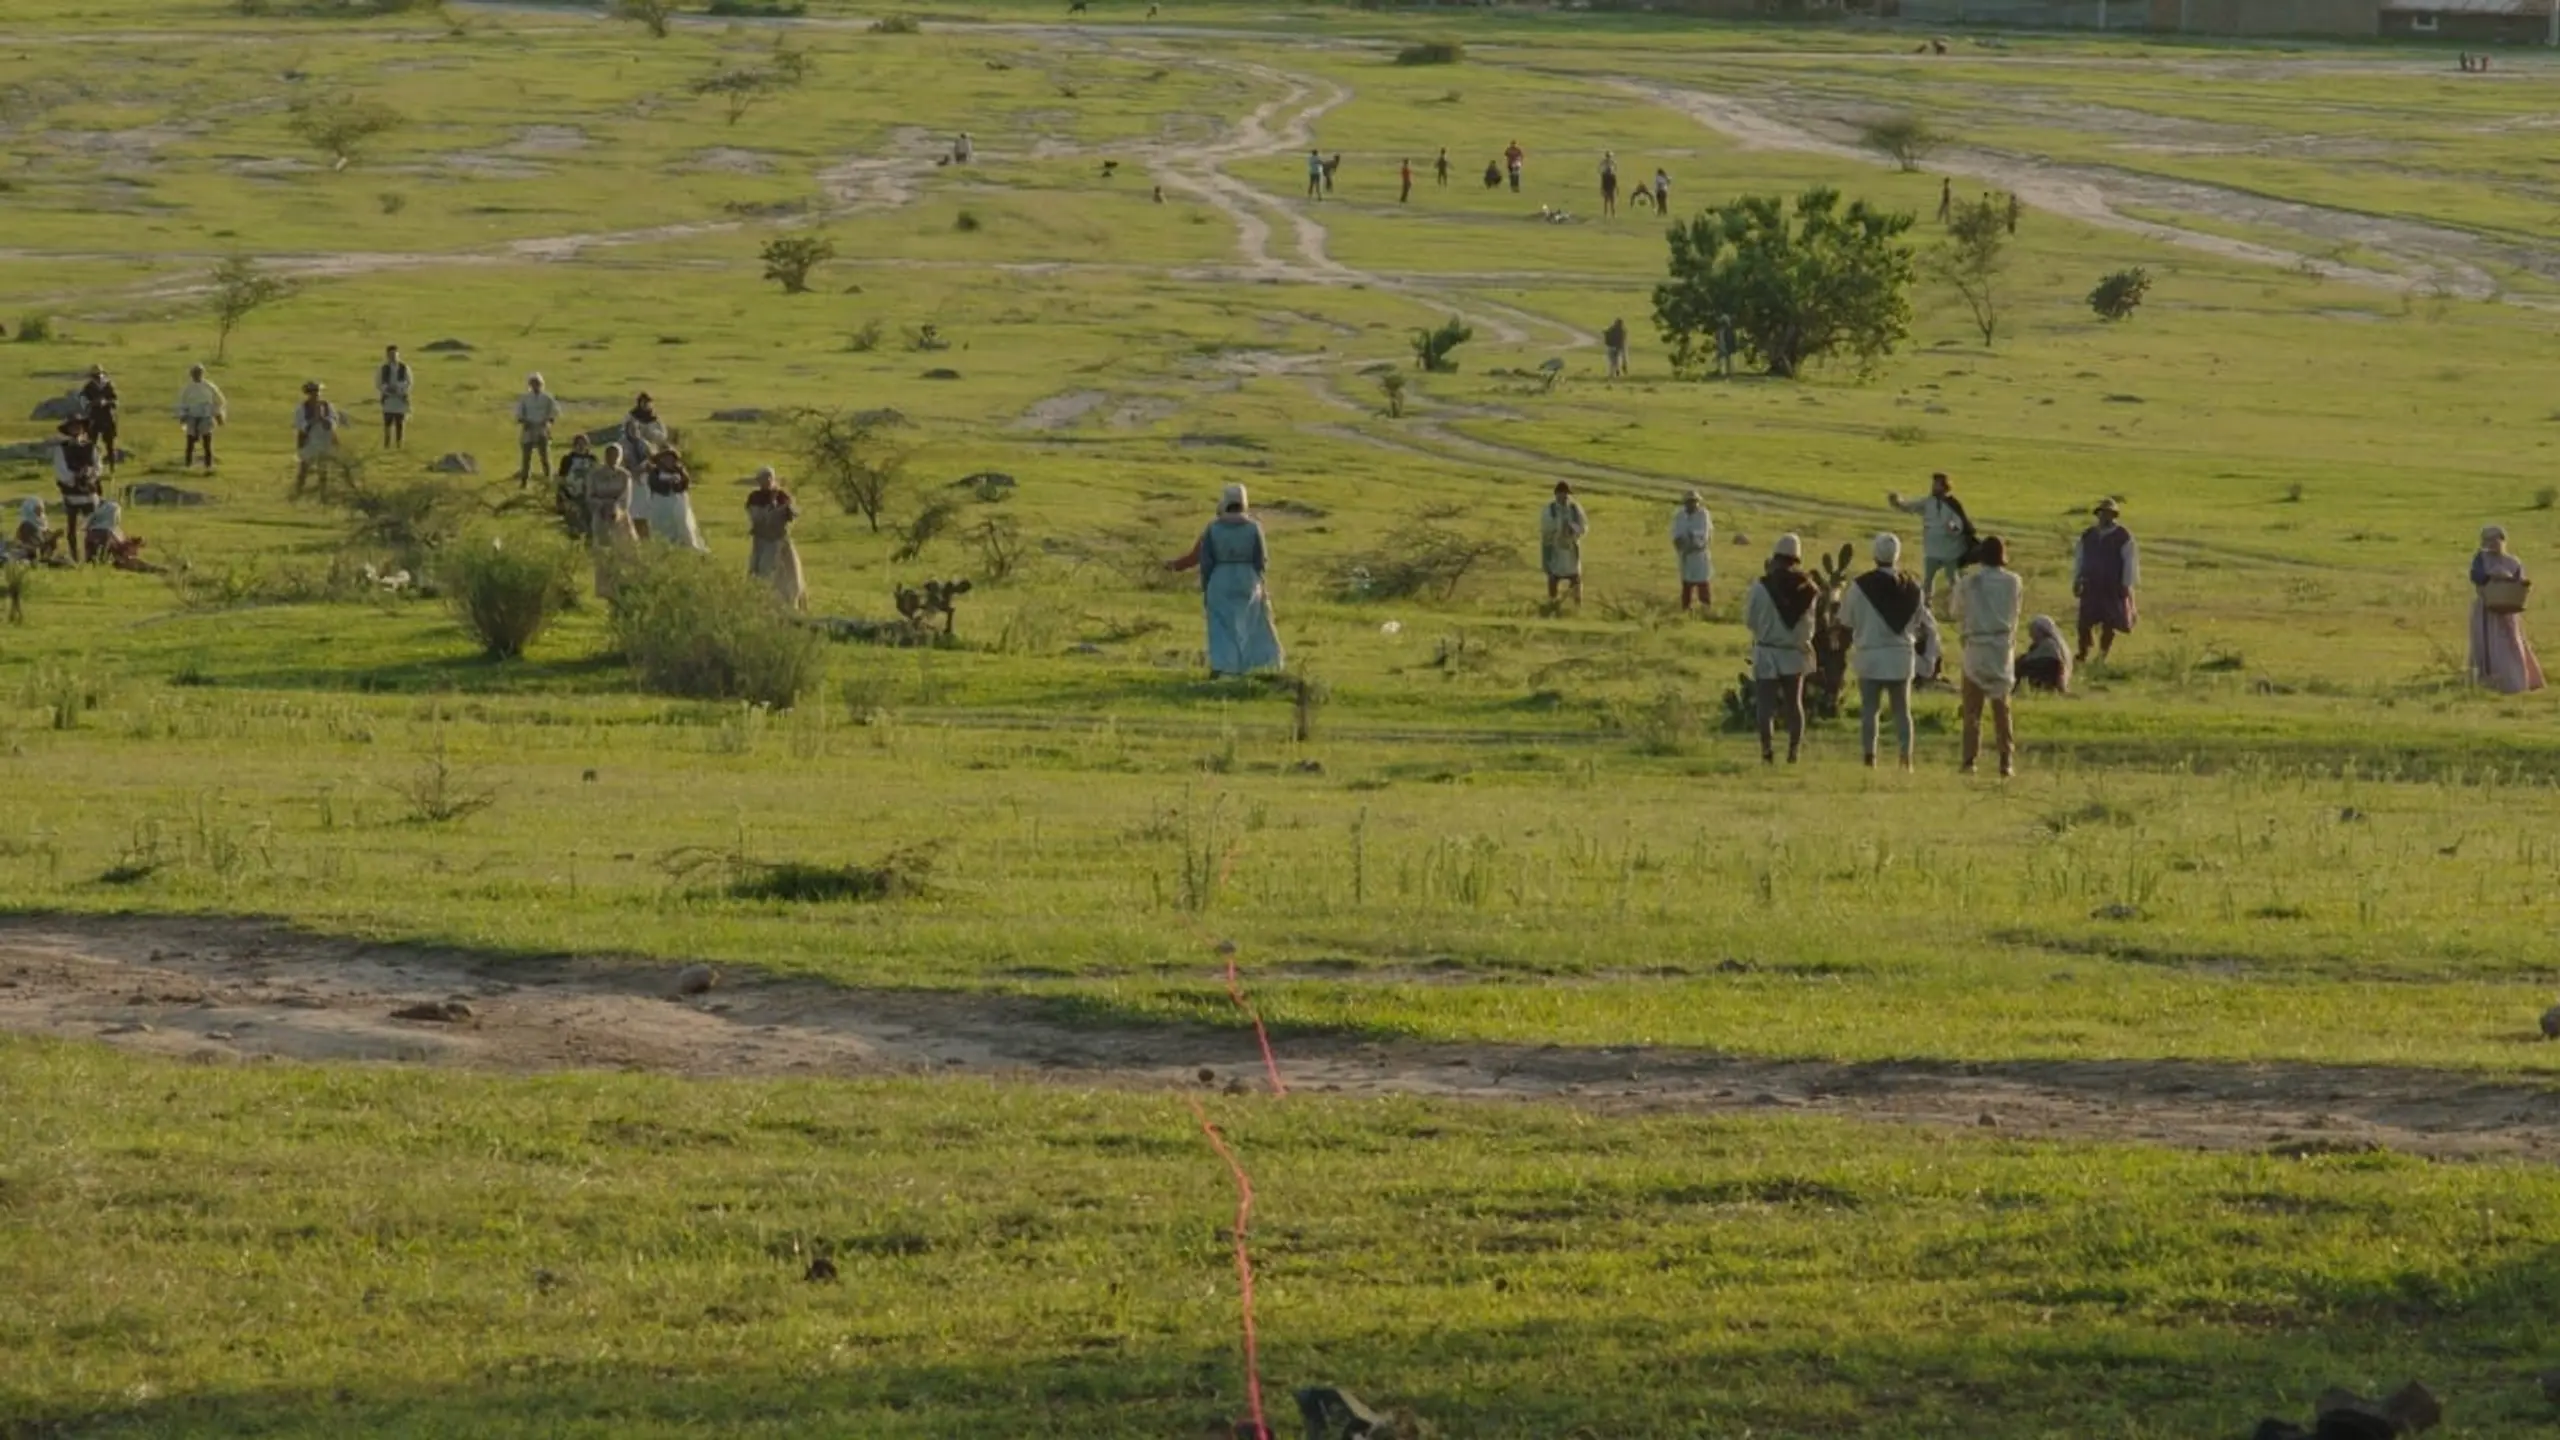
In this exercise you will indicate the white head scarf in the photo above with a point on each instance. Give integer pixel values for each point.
(1788, 547)
(1888, 550)
(765, 475)
(2492, 535)
(1232, 498)
(108, 516)
(31, 512)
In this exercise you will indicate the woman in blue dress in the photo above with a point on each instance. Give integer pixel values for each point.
(1231, 558)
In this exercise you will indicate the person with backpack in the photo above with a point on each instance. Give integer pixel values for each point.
(1946, 533)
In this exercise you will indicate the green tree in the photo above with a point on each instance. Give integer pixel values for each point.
(1974, 258)
(1829, 281)
(1906, 140)
(240, 289)
(1432, 348)
(852, 458)
(788, 259)
(340, 125)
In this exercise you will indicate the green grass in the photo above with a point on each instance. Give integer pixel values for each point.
(622, 1255)
(2276, 831)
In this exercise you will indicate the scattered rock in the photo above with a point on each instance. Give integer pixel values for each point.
(2115, 912)
(2124, 399)
(448, 347)
(217, 1034)
(2350, 815)
(152, 492)
(1208, 1076)
(1084, 647)
(821, 1270)
(1987, 1120)
(440, 1012)
(2415, 1407)
(129, 1027)
(941, 374)
(455, 463)
(746, 415)
(1308, 767)
(885, 415)
(60, 407)
(30, 452)
(696, 980)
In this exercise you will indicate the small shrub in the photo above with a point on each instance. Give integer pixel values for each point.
(903, 873)
(2545, 498)
(1432, 348)
(707, 631)
(756, 9)
(788, 260)
(63, 692)
(1392, 385)
(1000, 548)
(506, 591)
(2120, 294)
(1422, 557)
(340, 126)
(1432, 52)
(653, 16)
(967, 223)
(895, 25)
(1904, 139)
(2293, 493)
(1904, 435)
(439, 792)
(934, 518)
(34, 329)
(392, 202)
(16, 581)
(866, 339)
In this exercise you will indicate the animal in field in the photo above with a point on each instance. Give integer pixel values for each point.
(1076, 7)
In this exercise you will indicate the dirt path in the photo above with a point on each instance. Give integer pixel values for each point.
(2094, 195)
(237, 991)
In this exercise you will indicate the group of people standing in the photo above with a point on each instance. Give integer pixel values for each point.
(1511, 168)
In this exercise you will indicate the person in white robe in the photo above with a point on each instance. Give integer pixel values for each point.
(1693, 536)
(1880, 609)
(1779, 615)
(1987, 604)
(201, 410)
(1561, 527)
(537, 410)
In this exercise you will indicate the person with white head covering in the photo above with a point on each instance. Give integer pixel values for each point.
(2047, 663)
(1987, 603)
(773, 556)
(315, 432)
(201, 409)
(1693, 535)
(1233, 559)
(964, 149)
(569, 488)
(33, 540)
(2501, 657)
(610, 538)
(1561, 527)
(537, 410)
(106, 542)
(1779, 615)
(1880, 610)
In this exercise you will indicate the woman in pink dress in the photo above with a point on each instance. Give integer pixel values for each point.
(2501, 658)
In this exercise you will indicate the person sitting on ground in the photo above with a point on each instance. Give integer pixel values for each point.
(34, 542)
(2047, 663)
(315, 432)
(537, 410)
(1779, 615)
(1493, 174)
(1879, 610)
(2105, 568)
(1561, 526)
(772, 556)
(201, 410)
(109, 545)
(76, 475)
(1693, 536)
(569, 491)
(99, 404)
(1986, 604)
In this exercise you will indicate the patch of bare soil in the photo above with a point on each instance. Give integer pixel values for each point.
(236, 991)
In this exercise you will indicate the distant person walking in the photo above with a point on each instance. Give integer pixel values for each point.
(1946, 200)
(315, 432)
(1987, 602)
(76, 474)
(2105, 568)
(1561, 527)
(1404, 172)
(1615, 338)
(1880, 610)
(1946, 532)
(392, 384)
(101, 405)
(1440, 167)
(1693, 538)
(1234, 560)
(772, 556)
(1779, 615)
(1608, 182)
(1728, 345)
(2015, 209)
(201, 411)
(1331, 167)
(1662, 192)
(2501, 658)
(611, 537)
(1514, 160)
(537, 410)
(1315, 175)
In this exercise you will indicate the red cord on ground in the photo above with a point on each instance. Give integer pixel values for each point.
(1235, 992)
(1244, 1267)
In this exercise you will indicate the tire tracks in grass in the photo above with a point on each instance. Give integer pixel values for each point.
(233, 991)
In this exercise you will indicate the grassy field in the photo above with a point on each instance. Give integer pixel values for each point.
(2277, 836)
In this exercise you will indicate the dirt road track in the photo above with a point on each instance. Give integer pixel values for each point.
(222, 991)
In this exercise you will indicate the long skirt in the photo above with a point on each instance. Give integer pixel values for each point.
(1241, 637)
(2501, 657)
(777, 563)
(612, 542)
(671, 520)
(1562, 562)
(1697, 567)
(2111, 607)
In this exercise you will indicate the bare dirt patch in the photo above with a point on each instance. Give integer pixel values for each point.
(237, 991)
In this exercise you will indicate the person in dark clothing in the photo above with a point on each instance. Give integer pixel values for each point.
(2105, 569)
(1405, 173)
(1440, 167)
(1946, 200)
(98, 404)
(1615, 337)
(1493, 174)
(76, 475)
